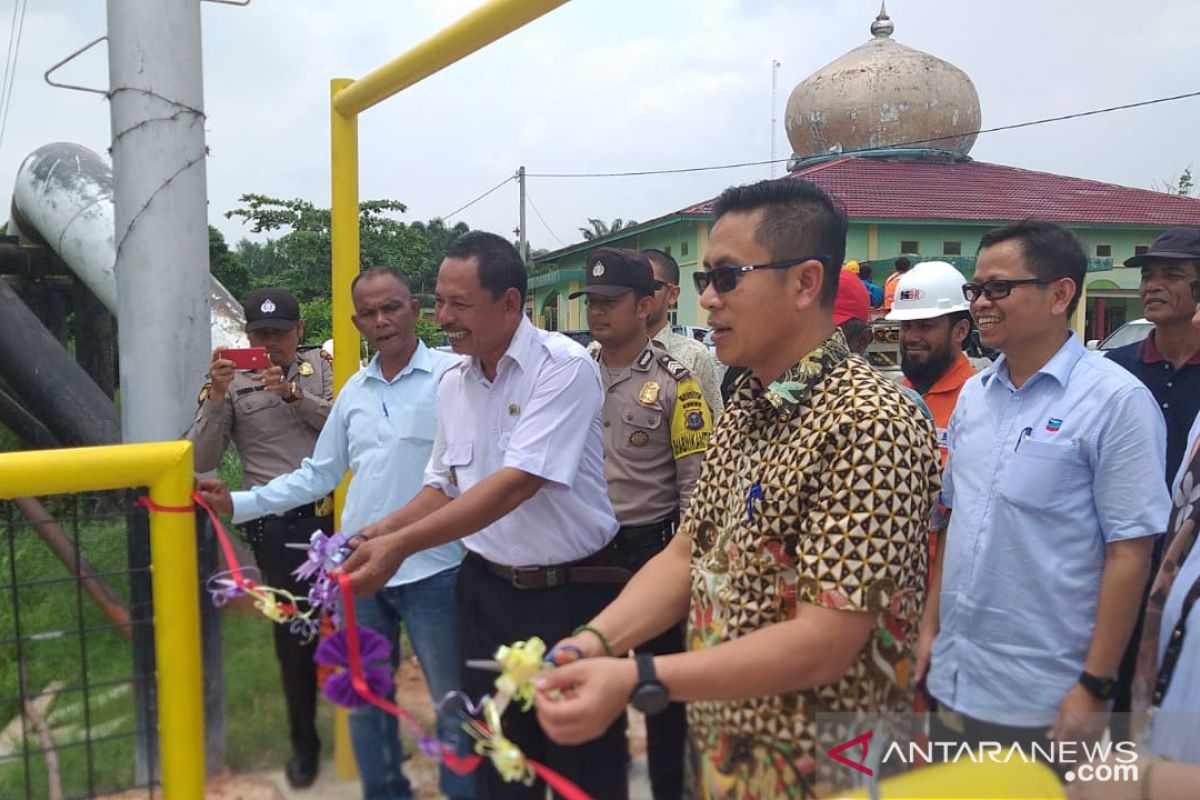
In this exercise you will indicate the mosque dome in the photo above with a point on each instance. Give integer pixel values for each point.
(883, 94)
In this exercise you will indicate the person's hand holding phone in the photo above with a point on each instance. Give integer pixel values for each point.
(220, 375)
(272, 380)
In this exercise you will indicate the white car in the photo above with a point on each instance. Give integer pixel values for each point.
(1129, 333)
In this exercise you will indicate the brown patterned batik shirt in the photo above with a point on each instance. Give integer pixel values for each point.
(817, 490)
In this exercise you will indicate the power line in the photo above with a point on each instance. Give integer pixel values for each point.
(10, 64)
(477, 199)
(1014, 126)
(533, 205)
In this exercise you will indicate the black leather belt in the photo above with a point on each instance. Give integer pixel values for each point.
(556, 574)
(305, 511)
(657, 532)
(254, 529)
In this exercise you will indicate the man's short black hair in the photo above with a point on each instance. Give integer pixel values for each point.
(864, 271)
(663, 259)
(1050, 251)
(799, 219)
(378, 270)
(902, 264)
(500, 265)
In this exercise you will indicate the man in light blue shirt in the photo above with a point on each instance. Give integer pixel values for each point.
(1036, 591)
(382, 427)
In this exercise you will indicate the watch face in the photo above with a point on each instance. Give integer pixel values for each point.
(650, 698)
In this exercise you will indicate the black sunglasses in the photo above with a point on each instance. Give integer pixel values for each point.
(660, 285)
(1195, 287)
(724, 279)
(999, 289)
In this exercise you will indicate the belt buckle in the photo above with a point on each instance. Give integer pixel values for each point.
(517, 572)
(554, 577)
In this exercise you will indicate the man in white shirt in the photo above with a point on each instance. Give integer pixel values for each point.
(517, 473)
(381, 428)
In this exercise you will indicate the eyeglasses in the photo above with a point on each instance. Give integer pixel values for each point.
(725, 279)
(1000, 289)
(1195, 287)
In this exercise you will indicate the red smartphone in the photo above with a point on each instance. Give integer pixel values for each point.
(247, 357)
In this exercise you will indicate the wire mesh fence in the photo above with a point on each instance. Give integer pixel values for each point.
(76, 648)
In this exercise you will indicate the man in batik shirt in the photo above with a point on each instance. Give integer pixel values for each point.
(801, 562)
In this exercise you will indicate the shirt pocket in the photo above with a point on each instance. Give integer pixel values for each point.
(418, 424)
(255, 402)
(639, 435)
(1040, 472)
(459, 459)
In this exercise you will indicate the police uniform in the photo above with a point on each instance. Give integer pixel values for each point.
(656, 426)
(273, 436)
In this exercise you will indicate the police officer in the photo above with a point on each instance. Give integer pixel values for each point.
(273, 417)
(656, 427)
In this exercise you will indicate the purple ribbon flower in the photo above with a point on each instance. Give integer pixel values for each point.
(334, 651)
(324, 554)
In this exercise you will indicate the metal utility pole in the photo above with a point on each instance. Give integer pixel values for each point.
(156, 94)
(160, 216)
(774, 82)
(523, 246)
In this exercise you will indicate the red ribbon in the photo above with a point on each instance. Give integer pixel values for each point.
(457, 763)
(460, 764)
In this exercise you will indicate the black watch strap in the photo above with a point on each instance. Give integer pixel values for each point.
(645, 667)
(1097, 687)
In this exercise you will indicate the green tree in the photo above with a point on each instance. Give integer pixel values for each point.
(1183, 185)
(440, 236)
(226, 266)
(300, 259)
(318, 319)
(599, 228)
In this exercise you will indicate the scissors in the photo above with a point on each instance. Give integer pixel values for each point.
(342, 554)
(555, 658)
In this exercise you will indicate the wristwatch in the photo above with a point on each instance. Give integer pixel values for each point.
(1099, 688)
(649, 696)
(297, 394)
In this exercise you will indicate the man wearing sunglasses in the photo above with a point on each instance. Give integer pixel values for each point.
(1035, 592)
(816, 460)
(656, 429)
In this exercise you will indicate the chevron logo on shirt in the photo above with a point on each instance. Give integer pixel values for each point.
(1053, 424)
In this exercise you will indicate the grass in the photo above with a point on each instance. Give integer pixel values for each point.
(53, 612)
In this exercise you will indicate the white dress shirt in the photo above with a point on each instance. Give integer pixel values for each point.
(382, 431)
(540, 415)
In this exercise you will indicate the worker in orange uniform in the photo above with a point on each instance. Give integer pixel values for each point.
(935, 321)
(902, 264)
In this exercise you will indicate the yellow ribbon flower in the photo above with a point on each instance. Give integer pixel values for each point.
(505, 756)
(519, 665)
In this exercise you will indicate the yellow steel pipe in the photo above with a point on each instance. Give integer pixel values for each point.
(82, 469)
(166, 468)
(343, 145)
(179, 674)
(491, 21)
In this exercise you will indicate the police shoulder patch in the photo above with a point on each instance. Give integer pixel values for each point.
(678, 371)
(204, 390)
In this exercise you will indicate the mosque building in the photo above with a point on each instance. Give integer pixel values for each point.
(887, 129)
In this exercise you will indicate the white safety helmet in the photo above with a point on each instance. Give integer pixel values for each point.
(930, 289)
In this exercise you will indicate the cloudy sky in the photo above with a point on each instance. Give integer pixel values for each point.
(616, 85)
